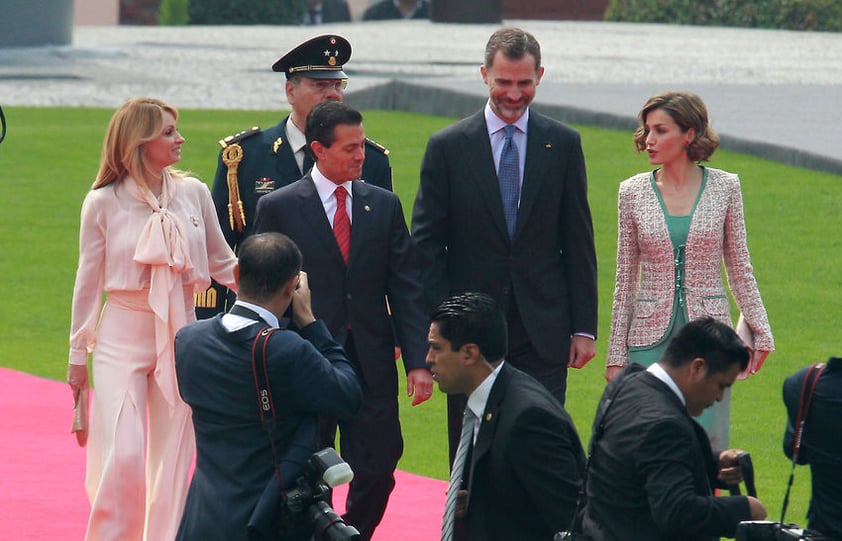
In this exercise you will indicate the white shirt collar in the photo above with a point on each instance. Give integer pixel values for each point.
(658, 371)
(297, 139)
(495, 123)
(326, 187)
(233, 322)
(479, 398)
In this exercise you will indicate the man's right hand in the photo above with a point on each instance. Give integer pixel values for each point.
(302, 312)
(757, 509)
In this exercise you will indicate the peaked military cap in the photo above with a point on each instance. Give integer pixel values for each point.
(321, 57)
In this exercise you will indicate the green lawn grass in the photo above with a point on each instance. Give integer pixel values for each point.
(50, 157)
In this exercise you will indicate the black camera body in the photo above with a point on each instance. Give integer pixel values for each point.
(305, 508)
(763, 530)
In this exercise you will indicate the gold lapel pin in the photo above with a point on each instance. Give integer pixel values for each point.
(278, 142)
(488, 417)
(548, 146)
(367, 208)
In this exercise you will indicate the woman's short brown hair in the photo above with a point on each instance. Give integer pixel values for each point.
(688, 111)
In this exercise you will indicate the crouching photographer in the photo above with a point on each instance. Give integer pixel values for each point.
(256, 392)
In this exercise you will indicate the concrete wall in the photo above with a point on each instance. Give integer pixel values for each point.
(96, 12)
(29, 23)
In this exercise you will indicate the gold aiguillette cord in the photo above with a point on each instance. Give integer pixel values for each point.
(232, 155)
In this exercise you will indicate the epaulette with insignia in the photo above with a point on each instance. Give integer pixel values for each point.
(378, 146)
(237, 137)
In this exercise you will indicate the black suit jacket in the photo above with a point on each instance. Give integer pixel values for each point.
(821, 446)
(652, 470)
(265, 167)
(527, 464)
(234, 484)
(381, 264)
(550, 265)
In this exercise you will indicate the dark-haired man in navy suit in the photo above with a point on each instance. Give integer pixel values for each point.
(524, 237)
(236, 490)
(357, 254)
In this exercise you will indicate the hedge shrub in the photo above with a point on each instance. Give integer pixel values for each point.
(823, 15)
(247, 11)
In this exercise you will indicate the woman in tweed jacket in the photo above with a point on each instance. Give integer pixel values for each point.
(676, 226)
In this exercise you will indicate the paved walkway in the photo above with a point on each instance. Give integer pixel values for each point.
(777, 94)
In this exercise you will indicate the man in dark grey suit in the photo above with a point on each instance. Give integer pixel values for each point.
(520, 232)
(526, 462)
(651, 469)
(262, 161)
(357, 253)
(235, 493)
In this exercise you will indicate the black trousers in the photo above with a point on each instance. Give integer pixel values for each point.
(371, 443)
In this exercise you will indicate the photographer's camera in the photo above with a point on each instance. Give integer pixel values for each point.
(305, 507)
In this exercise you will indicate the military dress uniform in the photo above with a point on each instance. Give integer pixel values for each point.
(261, 161)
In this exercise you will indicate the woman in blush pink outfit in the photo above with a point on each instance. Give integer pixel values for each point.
(149, 238)
(677, 226)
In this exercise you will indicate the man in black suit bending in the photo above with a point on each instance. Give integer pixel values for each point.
(519, 464)
(651, 469)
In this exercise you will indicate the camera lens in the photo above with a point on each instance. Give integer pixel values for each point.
(328, 526)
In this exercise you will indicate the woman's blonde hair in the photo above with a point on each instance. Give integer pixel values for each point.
(688, 111)
(137, 122)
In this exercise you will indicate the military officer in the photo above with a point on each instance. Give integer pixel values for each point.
(255, 162)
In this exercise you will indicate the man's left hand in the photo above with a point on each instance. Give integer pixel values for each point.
(582, 350)
(730, 472)
(419, 385)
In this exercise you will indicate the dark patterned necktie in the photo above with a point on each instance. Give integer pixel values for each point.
(342, 223)
(457, 473)
(509, 176)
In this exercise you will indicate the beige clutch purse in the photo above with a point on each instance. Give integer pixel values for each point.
(80, 418)
(745, 333)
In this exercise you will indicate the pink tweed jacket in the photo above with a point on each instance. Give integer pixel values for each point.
(645, 286)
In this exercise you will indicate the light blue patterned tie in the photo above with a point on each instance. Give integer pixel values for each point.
(509, 175)
(465, 443)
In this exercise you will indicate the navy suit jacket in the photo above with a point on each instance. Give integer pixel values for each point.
(527, 464)
(381, 264)
(265, 167)
(234, 487)
(821, 446)
(549, 267)
(652, 470)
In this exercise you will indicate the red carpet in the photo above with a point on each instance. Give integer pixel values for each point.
(42, 472)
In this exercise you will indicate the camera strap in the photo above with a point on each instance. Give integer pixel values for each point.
(265, 404)
(808, 389)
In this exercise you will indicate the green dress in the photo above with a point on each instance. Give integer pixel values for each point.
(716, 419)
